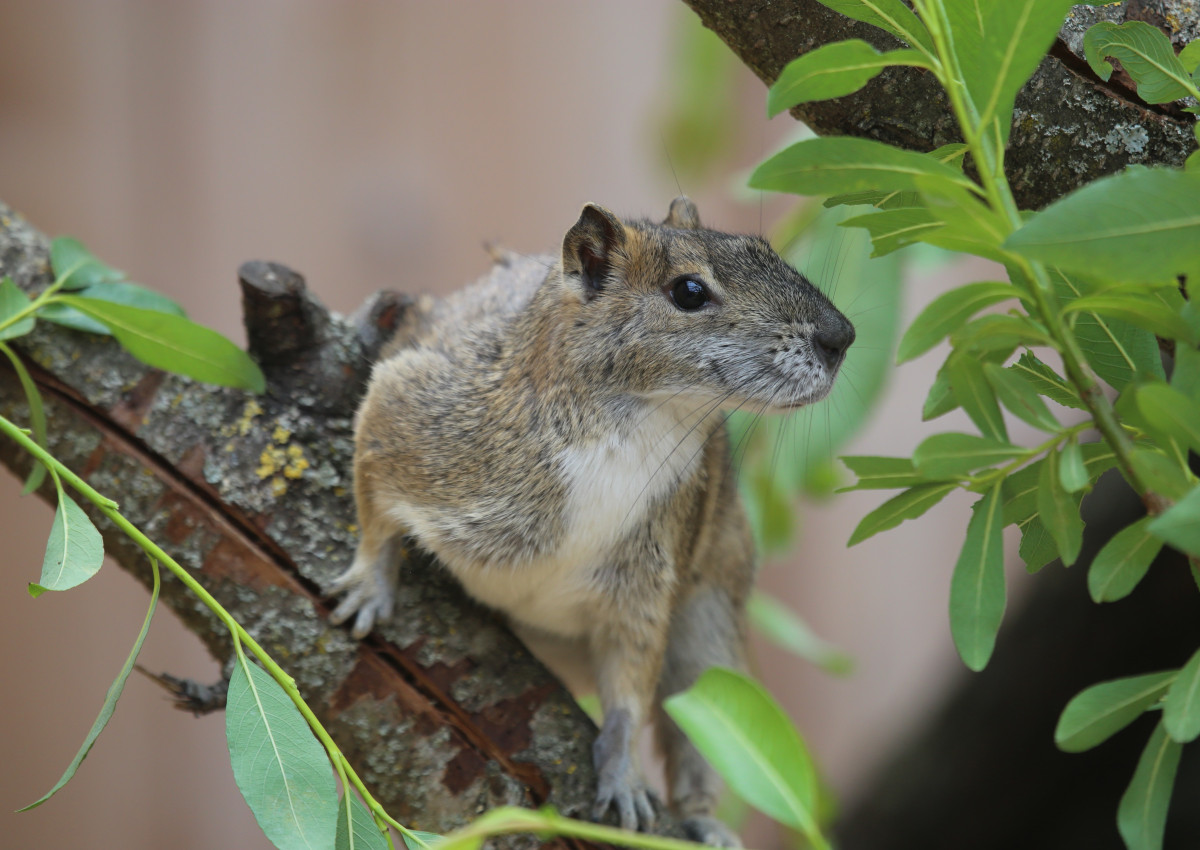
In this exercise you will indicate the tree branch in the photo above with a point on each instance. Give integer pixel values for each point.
(443, 712)
(1069, 127)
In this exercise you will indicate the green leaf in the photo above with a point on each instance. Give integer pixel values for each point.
(1159, 472)
(1059, 512)
(356, 829)
(970, 225)
(1181, 710)
(1037, 546)
(37, 417)
(882, 473)
(1171, 413)
(949, 154)
(890, 15)
(1072, 472)
(838, 164)
(74, 552)
(999, 333)
(75, 266)
(110, 701)
(746, 736)
(947, 313)
(940, 399)
(1186, 376)
(430, 838)
(118, 293)
(1019, 396)
(12, 302)
(1116, 350)
(1179, 525)
(1097, 713)
(174, 343)
(952, 454)
(833, 70)
(977, 593)
(1143, 311)
(974, 393)
(907, 505)
(1146, 55)
(999, 44)
(894, 229)
(1124, 560)
(1047, 382)
(779, 624)
(1142, 814)
(1189, 57)
(1142, 225)
(280, 768)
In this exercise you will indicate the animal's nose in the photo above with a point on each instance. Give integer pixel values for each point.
(831, 343)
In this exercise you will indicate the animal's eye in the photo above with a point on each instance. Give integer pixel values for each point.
(689, 294)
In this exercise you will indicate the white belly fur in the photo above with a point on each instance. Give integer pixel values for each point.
(610, 485)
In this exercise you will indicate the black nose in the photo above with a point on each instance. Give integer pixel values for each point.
(831, 343)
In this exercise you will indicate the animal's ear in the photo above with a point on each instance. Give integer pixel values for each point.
(589, 245)
(683, 214)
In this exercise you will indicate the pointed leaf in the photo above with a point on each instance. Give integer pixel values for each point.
(1097, 713)
(1142, 814)
(784, 628)
(1016, 394)
(280, 768)
(1059, 512)
(12, 302)
(1159, 472)
(1171, 412)
(834, 70)
(947, 313)
(882, 473)
(1146, 55)
(890, 15)
(174, 343)
(747, 737)
(977, 593)
(1179, 525)
(952, 454)
(121, 292)
(75, 266)
(940, 399)
(74, 552)
(1047, 382)
(1141, 225)
(1124, 560)
(1181, 711)
(1072, 472)
(37, 417)
(951, 154)
(975, 394)
(110, 700)
(908, 505)
(1143, 311)
(827, 166)
(1037, 546)
(894, 229)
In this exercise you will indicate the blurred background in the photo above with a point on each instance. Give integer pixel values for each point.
(372, 145)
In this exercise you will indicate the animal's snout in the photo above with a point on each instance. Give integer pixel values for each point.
(831, 342)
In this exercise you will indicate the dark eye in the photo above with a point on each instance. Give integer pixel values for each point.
(689, 294)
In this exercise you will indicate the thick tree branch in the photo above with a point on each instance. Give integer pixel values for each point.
(1069, 127)
(443, 712)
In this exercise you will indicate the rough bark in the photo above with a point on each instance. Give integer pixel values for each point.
(1069, 127)
(442, 712)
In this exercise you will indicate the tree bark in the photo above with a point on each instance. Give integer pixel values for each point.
(443, 712)
(1069, 127)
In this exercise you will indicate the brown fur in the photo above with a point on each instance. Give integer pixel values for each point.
(560, 447)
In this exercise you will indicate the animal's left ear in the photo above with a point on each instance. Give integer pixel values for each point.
(589, 245)
(683, 214)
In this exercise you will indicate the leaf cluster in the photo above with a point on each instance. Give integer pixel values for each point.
(1098, 283)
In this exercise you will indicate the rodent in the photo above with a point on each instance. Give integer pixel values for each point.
(560, 447)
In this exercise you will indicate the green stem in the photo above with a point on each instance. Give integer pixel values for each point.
(240, 636)
(45, 297)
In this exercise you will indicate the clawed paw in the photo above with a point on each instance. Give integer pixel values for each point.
(368, 594)
(630, 797)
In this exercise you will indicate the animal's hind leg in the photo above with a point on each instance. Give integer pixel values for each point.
(370, 583)
(705, 632)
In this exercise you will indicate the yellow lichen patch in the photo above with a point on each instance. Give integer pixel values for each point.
(296, 462)
(251, 410)
(278, 486)
(281, 435)
(270, 461)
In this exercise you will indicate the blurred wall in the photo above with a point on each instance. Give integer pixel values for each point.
(371, 145)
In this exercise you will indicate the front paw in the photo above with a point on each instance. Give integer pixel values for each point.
(368, 594)
(629, 796)
(708, 830)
